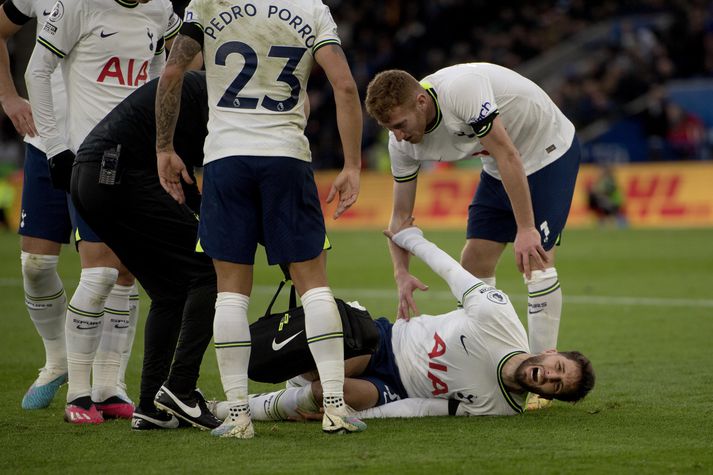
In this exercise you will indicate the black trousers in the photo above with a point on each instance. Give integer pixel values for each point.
(155, 237)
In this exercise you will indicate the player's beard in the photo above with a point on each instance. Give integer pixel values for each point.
(521, 374)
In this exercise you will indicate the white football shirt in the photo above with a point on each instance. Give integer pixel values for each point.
(459, 355)
(258, 57)
(41, 9)
(468, 96)
(106, 48)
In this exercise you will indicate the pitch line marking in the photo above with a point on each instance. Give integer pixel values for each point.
(357, 293)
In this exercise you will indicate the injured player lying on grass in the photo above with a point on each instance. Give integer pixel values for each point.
(471, 361)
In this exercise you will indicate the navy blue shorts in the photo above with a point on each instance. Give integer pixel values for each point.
(382, 371)
(268, 200)
(82, 231)
(490, 215)
(44, 214)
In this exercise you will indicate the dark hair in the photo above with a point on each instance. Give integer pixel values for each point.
(586, 378)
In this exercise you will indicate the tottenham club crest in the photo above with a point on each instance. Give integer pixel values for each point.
(57, 12)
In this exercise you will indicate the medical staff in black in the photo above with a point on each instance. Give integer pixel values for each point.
(115, 187)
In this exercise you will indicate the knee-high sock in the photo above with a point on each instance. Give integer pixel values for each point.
(323, 329)
(459, 280)
(544, 308)
(131, 334)
(115, 332)
(84, 326)
(276, 406)
(46, 303)
(232, 344)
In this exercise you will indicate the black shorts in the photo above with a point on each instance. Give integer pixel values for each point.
(153, 236)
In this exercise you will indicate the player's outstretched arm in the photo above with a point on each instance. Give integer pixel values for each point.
(401, 216)
(168, 104)
(349, 122)
(410, 407)
(15, 107)
(527, 243)
(458, 279)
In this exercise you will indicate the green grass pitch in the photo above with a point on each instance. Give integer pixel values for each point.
(638, 303)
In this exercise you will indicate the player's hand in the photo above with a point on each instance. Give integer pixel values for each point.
(528, 247)
(407, 223)
(406, 285)
(20, 113)
(60, 167)
(170, 171)
(347, 185)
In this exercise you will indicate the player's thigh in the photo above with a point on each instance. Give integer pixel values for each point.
(40, 246)
(480, 257)
(551, 191)
(292, 219)
(490, 215)
(360, 394)
(230, 220)
(44, 215)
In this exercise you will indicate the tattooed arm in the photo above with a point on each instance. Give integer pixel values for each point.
(168, 105)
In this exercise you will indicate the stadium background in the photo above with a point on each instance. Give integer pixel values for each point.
(637, 79)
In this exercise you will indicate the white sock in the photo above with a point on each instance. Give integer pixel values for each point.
(323, 329)
(544, 308)
(46, 303)
(115, 331)
(84, 326)
(275, 406)
(231, 334)
(458, 279)
(282, 405)
(129, 342)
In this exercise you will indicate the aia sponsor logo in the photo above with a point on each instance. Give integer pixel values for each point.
(123, 72)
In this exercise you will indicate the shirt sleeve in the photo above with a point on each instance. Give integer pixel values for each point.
(403, 167)
(192, 24)
(410, 407)
(472, 99)
(18, 11)
(37, 77)
(326, 28)
(63, 27)
(173, 27)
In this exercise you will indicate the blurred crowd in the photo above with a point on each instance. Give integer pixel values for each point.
(649, 43)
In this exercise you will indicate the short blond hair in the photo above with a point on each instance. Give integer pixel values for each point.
(390, 89)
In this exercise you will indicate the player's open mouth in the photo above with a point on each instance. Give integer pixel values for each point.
(535, 374)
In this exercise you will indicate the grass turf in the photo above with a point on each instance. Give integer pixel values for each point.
(638, 303)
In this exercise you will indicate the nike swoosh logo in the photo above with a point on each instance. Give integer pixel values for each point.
(536, 311)
(278, 346)
(194, 411)
(85, 328)
(462, 342)
(121, 326)
(172, 423)
(107, 35)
